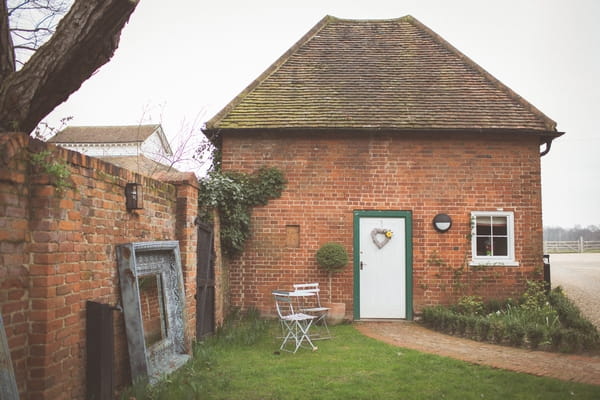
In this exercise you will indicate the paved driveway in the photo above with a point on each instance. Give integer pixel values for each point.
(579, 276)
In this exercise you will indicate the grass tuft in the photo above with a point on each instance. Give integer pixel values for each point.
(351, 366)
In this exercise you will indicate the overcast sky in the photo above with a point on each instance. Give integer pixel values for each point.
(179, 65)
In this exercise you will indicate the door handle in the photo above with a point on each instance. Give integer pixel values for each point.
(362, 264)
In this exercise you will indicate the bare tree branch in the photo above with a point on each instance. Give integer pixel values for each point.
(37, 29)
(54, 6)
(191, 151)
(85, 39)
(25, 47)
(32, 22)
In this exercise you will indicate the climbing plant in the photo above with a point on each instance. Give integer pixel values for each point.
(460, 278)
(234, 194)
(56, 169)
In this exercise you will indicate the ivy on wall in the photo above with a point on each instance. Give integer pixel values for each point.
(234, 194)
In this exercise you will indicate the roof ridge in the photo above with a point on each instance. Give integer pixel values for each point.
(142, 132)
(406, 17)
(548, 122)
(112, 126)
(270, 70)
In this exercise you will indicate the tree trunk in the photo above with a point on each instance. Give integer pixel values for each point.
(85, 39)
(7, 54)
(329, 273)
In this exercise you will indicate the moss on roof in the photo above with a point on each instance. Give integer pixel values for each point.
(392, 74)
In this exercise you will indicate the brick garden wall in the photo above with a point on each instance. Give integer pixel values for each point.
(57, 251)
(331, 175)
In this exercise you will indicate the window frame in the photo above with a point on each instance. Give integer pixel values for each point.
(509, 259)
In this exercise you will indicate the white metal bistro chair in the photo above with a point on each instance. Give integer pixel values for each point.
(296, 325)
(311, 304)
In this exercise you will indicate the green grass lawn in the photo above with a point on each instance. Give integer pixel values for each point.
(350, 366)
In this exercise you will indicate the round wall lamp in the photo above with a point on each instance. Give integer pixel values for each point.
(442, 222)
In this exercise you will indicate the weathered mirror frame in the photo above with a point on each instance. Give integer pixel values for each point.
(136, 260)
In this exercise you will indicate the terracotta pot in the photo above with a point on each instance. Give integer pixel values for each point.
(336, 314)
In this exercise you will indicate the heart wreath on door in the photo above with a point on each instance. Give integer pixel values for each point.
(381, 236)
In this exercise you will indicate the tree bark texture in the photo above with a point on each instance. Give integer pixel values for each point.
(7, 55)
(85, 39)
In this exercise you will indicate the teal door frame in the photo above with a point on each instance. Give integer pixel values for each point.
(407, 215)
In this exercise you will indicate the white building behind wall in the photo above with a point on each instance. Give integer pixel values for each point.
(141, 148)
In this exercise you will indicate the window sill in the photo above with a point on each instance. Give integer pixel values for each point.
(493, 263)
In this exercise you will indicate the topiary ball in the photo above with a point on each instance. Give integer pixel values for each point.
(332, 256)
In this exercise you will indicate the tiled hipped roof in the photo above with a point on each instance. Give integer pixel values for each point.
(378, 74)
(104, 134)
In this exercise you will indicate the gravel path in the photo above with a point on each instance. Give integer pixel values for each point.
(579, 275)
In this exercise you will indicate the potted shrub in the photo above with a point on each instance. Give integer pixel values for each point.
(332, 257)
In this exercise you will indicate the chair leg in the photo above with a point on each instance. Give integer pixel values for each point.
(303, 327)
(289, 326)
(323, 320)
(298, 331)
(322, 329)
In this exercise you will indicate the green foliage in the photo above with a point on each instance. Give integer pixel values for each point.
(242, 328)
(539, 319)
(569, 314)
(351, 366)
(498, 331)
(571, 319)
(471, 305)
(493, 305)
(516, 333)
(58, 171)
(332, 256)
(482, 328)
(461, 324)
(535, 296)
(234, 194)
(535, 335)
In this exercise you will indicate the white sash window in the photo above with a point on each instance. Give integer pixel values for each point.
(493, 238)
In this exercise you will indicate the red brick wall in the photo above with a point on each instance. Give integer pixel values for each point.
(150, 306)
(332, 174)
(57, 251)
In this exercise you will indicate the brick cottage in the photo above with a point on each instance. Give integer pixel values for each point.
(380, 126)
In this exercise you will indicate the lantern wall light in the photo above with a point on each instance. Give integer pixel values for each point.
(134, 196)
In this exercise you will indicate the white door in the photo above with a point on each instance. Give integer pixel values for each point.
(382, 267)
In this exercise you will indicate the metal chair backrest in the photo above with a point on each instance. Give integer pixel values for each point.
(283, 304)
(310, 288)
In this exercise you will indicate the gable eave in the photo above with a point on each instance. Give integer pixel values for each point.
(163, 140)
(216, 135)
